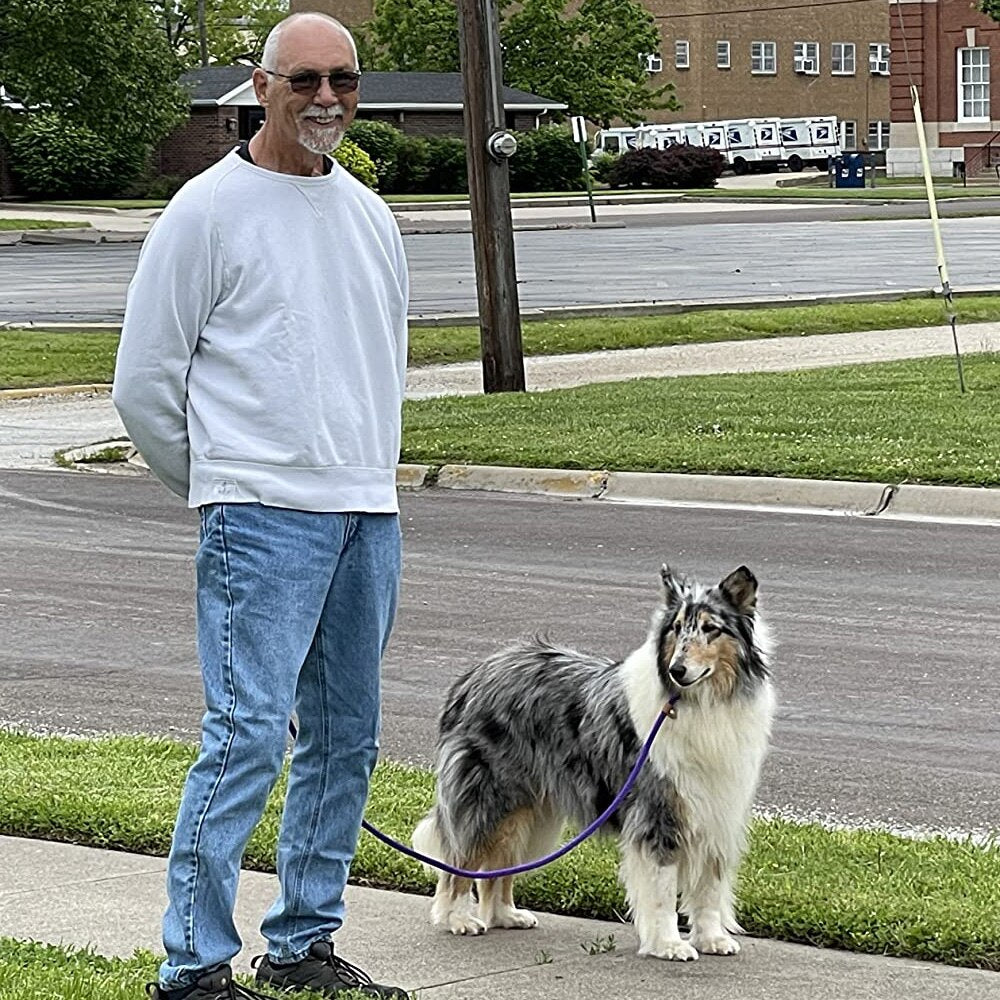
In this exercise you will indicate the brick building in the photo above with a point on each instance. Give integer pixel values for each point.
(757, 58)
(224, 109)
(946, 48)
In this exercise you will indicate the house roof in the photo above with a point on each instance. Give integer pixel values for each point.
(221, 85)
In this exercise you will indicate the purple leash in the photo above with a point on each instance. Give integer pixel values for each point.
(667, 712)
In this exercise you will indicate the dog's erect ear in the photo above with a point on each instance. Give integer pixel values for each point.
(740, 589)
(673, 587)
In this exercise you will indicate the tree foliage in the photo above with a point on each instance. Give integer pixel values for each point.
(96, 68)
(991, 7)
(590, 56)
(232, 27)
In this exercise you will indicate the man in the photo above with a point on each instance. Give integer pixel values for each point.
(261, 373)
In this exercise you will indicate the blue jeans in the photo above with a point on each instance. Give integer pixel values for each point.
(294, 611)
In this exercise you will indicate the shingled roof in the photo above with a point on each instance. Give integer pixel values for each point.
(218, 85)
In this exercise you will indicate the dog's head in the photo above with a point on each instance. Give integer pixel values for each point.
(707, 636)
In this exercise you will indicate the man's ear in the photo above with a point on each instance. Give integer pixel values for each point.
(260, 82)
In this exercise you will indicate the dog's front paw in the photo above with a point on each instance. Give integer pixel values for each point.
(514, 918)
(719, 944)
(465, 923)
(671, 951)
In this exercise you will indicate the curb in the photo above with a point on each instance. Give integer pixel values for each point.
(62, 237)
(55, 390)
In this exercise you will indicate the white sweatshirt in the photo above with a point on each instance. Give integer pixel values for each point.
(263, 350)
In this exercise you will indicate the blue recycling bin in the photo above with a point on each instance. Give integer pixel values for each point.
(848, 171)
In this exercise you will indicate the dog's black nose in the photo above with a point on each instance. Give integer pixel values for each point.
(678, 673)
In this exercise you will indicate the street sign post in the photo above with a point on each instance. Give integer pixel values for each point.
(580, 137)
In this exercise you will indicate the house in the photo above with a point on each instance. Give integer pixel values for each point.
(946, 48)
(756, 58)
(224, 110)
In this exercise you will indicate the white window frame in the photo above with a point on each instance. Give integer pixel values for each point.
(761, 55)
(682, 54)
(878, 58)
(973, 76)
(806, 58)
(654, 62)
(843, 58)
(848, 134)
(723, 54)
(879, 131)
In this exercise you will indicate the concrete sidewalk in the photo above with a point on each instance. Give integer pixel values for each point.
(67, 895)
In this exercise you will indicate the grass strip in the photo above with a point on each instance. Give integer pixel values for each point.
(863, 891)
(890, 422)
(66, 357)
(7, 225)
(33, 971)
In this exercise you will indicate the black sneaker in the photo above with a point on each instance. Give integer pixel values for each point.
(323, 972)
(215, 985)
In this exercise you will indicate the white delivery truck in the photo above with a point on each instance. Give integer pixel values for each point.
(753, 144)
(809, 141)
(617, 140)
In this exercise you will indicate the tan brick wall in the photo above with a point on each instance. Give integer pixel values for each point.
(349, 12)
(198, 143)
(707, 92)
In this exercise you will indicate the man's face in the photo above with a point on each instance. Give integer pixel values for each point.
(316, 120)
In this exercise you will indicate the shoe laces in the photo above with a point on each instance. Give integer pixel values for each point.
(349, 973)
(232, 991)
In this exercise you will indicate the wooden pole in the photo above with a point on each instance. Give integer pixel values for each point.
(489, 197)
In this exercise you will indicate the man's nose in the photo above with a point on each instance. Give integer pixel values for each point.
(325, 95)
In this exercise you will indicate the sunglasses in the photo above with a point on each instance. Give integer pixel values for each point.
(342, 81)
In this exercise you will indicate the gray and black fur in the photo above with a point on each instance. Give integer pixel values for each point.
(538, 735)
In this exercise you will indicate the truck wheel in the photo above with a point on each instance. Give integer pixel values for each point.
(740, 165)
(795, 163)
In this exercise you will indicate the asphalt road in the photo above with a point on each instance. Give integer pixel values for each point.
(887, 664)
(714, 262)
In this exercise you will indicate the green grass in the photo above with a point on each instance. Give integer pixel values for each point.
(68, 357)
(34, 971)
(882, 192)
(113, 202)
(893, 422)
(8, 225)
(862, 891)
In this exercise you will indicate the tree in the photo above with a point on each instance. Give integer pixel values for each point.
(591, 57)
(991, 7)
(232, 28)
(100, 67)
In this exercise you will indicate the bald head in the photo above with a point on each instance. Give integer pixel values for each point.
(285, 35)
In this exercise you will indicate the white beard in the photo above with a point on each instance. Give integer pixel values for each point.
(321, 140)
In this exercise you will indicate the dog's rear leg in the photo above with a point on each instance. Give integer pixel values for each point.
(496, 905)
(651, 891)
(454, 906)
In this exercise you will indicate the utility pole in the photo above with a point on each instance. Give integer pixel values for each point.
(202, 33)
(488, 147)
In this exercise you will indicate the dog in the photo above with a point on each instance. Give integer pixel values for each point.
(538, 735)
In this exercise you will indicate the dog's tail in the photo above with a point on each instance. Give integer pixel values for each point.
(427, 840)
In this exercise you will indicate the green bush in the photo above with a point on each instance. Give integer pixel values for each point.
(679, 166)
(157, 187)
(381, 142)
(352, 157)
(447, 172)
(412, 166)
(601, 164)
(547, 159)
(54, 156)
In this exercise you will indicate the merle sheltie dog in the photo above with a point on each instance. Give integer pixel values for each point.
(538, 735)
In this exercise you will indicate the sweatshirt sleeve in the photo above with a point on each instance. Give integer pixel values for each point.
(177, 282)
(402, 327)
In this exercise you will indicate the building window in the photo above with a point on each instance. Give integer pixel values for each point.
(842, 59)
(848, 135)
(878, 135)
(654, 64)
(807, 57)
(974, 84)
(763, 57)
(682, 54)
(878, 58)
(722, 55)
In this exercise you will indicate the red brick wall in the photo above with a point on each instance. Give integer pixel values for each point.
(924, 40)
(199, 142)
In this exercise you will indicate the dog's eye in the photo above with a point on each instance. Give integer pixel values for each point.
(676, 627)
(710, 631)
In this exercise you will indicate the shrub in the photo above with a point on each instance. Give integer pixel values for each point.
(547, 159)
(381, 142)
(679, 166)
(358, 162)
(57, 157)
(412, 166)
(601, 164)
(447, 172)
(158, 187)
